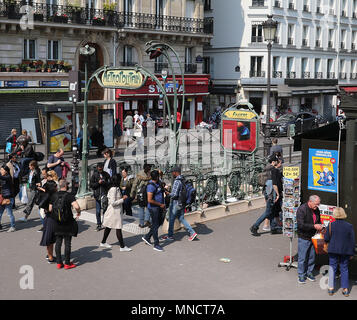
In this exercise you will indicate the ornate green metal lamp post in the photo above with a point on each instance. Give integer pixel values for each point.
(155, 49)
(83, 187)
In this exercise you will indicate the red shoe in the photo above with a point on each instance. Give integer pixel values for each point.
(69, 266)
(59, 265)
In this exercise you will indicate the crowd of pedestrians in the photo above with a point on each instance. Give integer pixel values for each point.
(46, 189)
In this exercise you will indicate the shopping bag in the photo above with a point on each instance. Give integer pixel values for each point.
(8, 147)
(321, 247)
(24, 199)
(138, 133)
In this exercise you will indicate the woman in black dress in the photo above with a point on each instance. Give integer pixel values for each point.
(48, 236)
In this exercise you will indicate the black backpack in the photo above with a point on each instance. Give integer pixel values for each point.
(59, 211)
(191, 192)
(142, 196)
(39, 156)
(182, 200)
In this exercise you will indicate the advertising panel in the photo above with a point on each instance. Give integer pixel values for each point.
(323, 170)
(243, 126)
(60, 131)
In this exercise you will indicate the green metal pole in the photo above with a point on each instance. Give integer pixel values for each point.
(83, 188)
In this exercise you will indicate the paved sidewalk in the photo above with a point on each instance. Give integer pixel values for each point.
(186, 270)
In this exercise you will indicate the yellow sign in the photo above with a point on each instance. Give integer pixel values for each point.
(240, 114)
(125, 79)
(291, 172)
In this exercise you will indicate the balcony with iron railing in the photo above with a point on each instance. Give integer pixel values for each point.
(318, 75)
(353, 76)
(108, 18)
(256, 39)
(258, 3)
(291, 75)
(330, 75)
(343, 76)
(256, 74)
(277, 74)
(305, 75)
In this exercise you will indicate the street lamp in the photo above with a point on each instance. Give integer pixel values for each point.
(164, 76)
(155, 49)
(86, 51)
(269, 29)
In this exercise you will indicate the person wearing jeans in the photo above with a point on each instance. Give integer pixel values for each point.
(306, 261)
(177, 209)
(156, 203)
(341, 238)
(308, 222)
(6, 192)
(272, 192)
(8, 209)
(268, 214)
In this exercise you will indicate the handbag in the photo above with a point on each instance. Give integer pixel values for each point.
(104, 203)
(138, 133)
(4, 201)
(24, 199)
(318, 241)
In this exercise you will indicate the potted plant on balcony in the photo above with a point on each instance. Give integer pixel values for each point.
(38, 17)
(12, 9)
(109, 12)
(2, 68)
(13, 67)
(22, 67)
(98, 21)
(67, 67)
(76, 11)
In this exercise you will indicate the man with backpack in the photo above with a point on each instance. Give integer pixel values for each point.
(156, 207)
(272, 193)
(66, 226)
(178, 202)
(138, 191)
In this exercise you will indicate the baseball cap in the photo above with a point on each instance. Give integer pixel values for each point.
(175, 169)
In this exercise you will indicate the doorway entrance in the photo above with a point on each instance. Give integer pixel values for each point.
(257, 104)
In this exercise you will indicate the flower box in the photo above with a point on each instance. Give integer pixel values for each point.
(38, 17)
(98, 22)
(60, 19)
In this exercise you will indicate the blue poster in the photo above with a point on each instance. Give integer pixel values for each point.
(323, 170)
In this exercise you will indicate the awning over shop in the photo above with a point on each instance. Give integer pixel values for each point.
(194, 86)
(286, 91)
(349, 89)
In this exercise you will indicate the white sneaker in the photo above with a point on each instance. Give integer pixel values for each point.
(126, 249)
(12, 229)
(266, 229)
(23, 219)
(105, 245)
